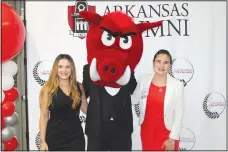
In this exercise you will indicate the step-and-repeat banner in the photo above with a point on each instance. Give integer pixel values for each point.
(193, 32)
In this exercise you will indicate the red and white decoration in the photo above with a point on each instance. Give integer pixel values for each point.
(13, 37)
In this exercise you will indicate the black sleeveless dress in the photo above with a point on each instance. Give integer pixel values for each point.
(64, 130)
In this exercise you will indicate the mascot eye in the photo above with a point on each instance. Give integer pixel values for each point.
(107, 39)
(125, 42)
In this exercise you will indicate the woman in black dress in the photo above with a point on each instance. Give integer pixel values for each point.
(63, 97)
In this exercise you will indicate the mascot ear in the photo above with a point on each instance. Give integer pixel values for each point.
(145, 25)
(90, 17)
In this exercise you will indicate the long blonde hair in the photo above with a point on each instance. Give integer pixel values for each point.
(51, 86)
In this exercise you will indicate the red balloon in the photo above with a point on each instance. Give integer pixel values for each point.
(11, 94)
(8, 108)
(12, 144)
(13, 33)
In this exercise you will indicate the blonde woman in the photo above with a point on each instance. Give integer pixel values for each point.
(63, 97)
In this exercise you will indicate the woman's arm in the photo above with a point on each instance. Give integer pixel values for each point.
(179, 112)
(84, 104)
(44, 114)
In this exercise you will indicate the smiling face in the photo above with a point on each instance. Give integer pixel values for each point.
(64, 69)
(162, 64)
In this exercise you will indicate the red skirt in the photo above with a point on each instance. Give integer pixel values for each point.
(153, 130)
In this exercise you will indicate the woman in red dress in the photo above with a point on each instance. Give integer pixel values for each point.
(161, 106)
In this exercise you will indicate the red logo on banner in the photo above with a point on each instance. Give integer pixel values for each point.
(78, 25)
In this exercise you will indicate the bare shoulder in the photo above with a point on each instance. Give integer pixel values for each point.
(44, 92)
(44, 89)
(44, 97)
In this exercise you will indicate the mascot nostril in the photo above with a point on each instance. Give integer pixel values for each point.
(106, 68)
(114, 48)
(113, 70)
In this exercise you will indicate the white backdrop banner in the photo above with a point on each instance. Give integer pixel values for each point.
(193, 32)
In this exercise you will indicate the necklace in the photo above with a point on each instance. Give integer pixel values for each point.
(160, 88)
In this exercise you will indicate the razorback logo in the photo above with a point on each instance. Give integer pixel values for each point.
(114, 47)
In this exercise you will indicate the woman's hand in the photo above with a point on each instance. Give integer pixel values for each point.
(169, 144)
(43, 146)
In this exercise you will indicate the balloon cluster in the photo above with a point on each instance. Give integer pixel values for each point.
(13, 37)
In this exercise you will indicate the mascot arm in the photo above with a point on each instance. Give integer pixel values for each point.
(135, 97)
(86, 79)
(131, 84)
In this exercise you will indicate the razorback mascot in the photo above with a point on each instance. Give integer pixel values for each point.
(114, 48)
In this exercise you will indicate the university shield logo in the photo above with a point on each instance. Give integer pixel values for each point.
(78, 25)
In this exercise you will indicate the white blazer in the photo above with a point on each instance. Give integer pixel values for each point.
(173, 102)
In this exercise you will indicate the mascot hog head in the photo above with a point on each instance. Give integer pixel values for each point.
(114, 47)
